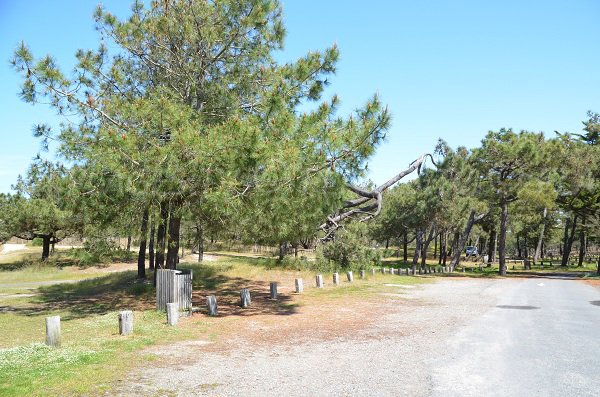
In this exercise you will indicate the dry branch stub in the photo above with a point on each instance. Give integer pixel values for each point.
(245, 298)
(336, 279)
(172, 313)
(299, 285)
(273, 290)
(350, 276)
(211, 303)
(125, 322)
(319, 280)
(53, 331)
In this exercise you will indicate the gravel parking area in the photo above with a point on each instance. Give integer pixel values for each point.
(378, 347)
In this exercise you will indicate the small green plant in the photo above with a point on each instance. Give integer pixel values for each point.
(349, 251)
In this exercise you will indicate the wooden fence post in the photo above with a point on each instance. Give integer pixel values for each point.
(245, 298)
(350, 276)
(299, 285)
(362, 274)
(211, 303)
(336, 279)
(53, 331)
(126, 322)
(319, 280)
(273, 290)
(172, 313)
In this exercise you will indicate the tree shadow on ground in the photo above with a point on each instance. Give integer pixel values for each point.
(124, 291)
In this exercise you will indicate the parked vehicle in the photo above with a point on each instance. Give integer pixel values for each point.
(471, 251)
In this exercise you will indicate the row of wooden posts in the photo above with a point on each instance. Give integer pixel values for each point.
(245, 299)
(53, 334)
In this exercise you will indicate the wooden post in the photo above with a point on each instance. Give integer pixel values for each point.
(392, 270)
(362, 274)
(299, 285)
(350, 276)
(414, 270)
(463, 269)
(211, 303)
(273, 290)
(53, 331)
(383, 270)
(172, 313)
(372, 272)
(336, 279)
(245, 298)
(319, 280)
(126, 322)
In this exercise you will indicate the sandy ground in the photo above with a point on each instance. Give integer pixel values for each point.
(382, 345)
(7, 248)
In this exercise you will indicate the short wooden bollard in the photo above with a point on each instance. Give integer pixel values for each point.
(211, 303)
(414, 270)
(350, 276)
(420, 270)
(319, 280)
(299, 285)
(126, 322)
(336, 279)
(383, 270)
(372, 272)
(392, 271)
(463, 269)
(53, 331)
(172, 313)
(245, 298)
(362, 274)
(273, 290)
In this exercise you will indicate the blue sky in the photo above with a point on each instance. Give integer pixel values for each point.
(449, 69)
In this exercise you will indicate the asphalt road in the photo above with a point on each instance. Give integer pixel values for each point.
(541, 339)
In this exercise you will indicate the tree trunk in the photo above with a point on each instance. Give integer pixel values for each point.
(405, 246)
(519, 253)
(502, 239)
(142, 252)
(568, 240)
(160, 236)
(281, 251)
(173, 241)
(435, 247)
(445, 253)
(129, 243)
(538, 248)
(151, 246)
(418, 242)
(462, 241)
(581, 243)
(45, 247)
(200, 238)
(425, 245)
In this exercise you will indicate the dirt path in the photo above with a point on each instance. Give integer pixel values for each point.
(380, 345)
